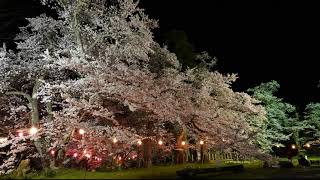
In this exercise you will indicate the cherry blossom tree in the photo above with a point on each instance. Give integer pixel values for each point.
(95, 67)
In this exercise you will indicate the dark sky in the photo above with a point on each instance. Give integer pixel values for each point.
(260, 40)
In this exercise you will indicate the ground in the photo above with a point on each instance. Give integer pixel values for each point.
(253, 170)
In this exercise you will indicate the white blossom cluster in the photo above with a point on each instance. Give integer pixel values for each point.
(100, 68)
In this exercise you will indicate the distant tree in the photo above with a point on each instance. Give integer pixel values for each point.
(312, 118)
(281, 116)
(178, 42)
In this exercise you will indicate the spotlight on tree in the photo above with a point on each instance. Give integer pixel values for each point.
(114, 140)
(52, 152)
(81, 131)
(20, 134)
(293, 146)
(139, 142)
(183, 143)
(33, 130)
(75, 155)
(160, 142)
(88, 156)
(201, 142)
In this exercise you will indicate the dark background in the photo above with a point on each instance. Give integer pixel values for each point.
(260, 40)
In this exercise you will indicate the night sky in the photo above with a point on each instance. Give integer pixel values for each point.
(259, 40)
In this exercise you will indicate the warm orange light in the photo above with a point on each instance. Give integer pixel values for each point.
(81, 131)
(139, 142)
(293, 146)
(201, 142)
(307, 145)
(120, 158)
(183, 143)
(33, 130)
(88, 155)
(115, 140)
(160, 142)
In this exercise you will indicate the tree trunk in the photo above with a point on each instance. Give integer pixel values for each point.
(147, 153)
(49, 111)
(180, 156)
(139, 157)
(34, 113)
(33, 101)
(204, 154)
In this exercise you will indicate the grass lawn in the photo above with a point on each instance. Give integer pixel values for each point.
(167, 172)
(295, 159)
(253, 170)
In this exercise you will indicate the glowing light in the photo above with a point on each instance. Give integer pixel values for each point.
(81, 131)
(307, 145)
(20, 134)
(52, 152)
(129, 158)
(75, 155)
(88, 155)
(183, 143)
(139, 142)
(201, 142)
(293, 146)
(85, 151)
(3, 140)
(277, 145)
(133, 157)
(33, 130)
(160, 142)
(120, 158)
(115, 140)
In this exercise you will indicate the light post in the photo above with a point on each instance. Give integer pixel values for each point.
(160, 142)
(201, 151)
